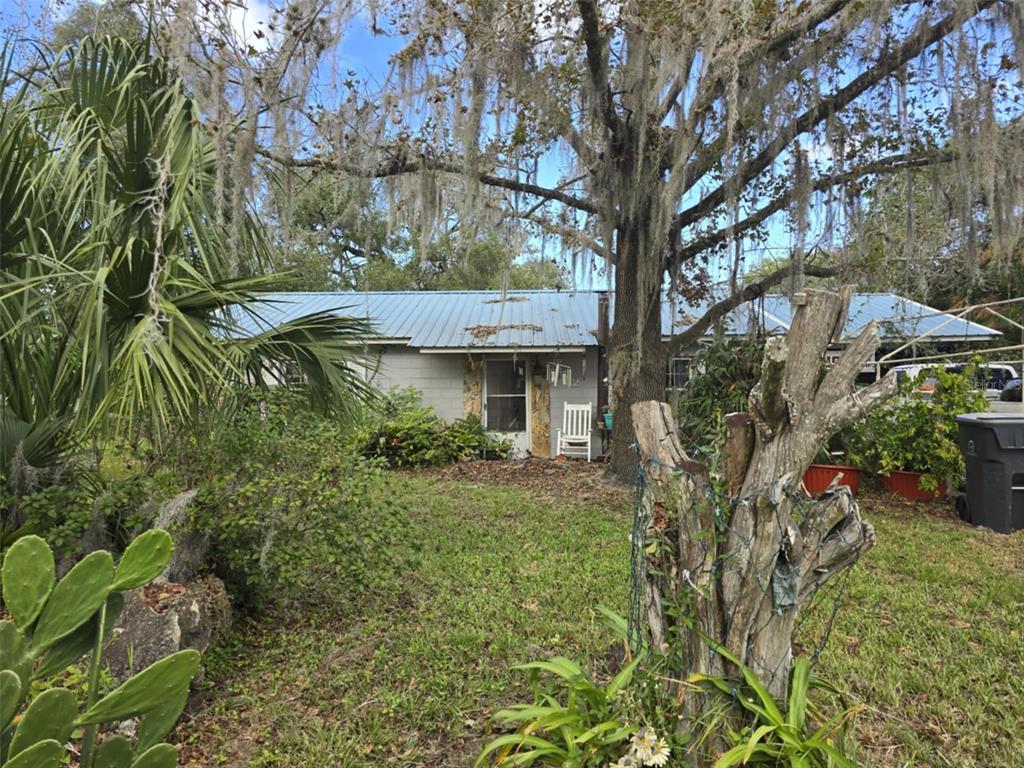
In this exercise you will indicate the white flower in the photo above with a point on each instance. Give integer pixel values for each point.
(645, 743)
(661, 754)
(648, 749)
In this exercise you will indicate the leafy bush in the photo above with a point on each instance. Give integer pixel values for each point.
(722, 374)
(409, 435)
(574, 721)
(54, 624)
(289, 506)
(62, 513)
(633, 720)
(912, 434)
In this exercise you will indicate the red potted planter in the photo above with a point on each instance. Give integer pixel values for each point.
(908, 485)
(818, 477)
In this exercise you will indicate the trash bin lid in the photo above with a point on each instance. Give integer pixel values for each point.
(999, 418)
(1008, 428)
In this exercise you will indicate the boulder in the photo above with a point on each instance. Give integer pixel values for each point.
(164, 617)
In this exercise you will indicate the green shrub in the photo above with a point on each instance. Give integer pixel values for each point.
(912, 434)
(575, 722)
(289, 506)
(794, 733)
(409, 435)
(633, 720)
(52, 625)
(62, 513)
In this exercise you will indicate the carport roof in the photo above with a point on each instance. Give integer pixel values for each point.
(560, 319)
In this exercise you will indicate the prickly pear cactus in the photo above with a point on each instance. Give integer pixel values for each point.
(56, 624)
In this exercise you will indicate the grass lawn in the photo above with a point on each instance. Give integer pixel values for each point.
(929, 637)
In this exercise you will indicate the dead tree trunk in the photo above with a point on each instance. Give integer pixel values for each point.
(732, 558)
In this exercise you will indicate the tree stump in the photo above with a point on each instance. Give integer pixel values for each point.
(734, 554)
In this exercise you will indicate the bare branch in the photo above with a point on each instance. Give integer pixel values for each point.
(748, 293)
(886, 65)
(402, 165)
(597, 65)
(890, 164)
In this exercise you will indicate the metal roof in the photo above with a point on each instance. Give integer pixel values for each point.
(897, 317)
(558, 319)
(453, 319)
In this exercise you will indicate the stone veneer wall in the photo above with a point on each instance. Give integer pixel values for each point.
(472, 405)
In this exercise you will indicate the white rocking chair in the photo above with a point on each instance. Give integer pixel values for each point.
(573, 439)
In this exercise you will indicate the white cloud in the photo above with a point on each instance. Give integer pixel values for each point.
(250, 21)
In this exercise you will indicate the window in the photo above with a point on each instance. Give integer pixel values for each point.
(505, 386)
(678, 373)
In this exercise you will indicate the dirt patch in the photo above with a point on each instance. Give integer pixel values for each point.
(577, 481)
(874, 497)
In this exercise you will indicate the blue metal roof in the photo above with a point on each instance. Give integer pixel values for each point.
(559, 319)
(897, 317)
(453, 319)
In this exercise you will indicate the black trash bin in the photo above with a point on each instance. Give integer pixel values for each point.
(993, 449)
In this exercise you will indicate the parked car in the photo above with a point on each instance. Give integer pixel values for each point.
(1012, 391)
(990, 379)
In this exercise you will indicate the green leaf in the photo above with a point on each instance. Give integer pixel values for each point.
(144, 560)
(45, 754)
(146, 691)
(559, 665)
(597, 730)
(160, 756)
(797, 713)
(617, 623)
(51, 715)
(12, 649)
(69, 649)
(10, 695)
(621, 680)
(516, 740)
(28, 575)
(755, 741)
(75, 598)
(157, 723)
(115, 752)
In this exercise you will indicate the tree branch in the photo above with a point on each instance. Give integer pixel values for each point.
(748, 293)
(890, 164)
(806, 20)
(597, 65)
(402, 165)
(837, 101)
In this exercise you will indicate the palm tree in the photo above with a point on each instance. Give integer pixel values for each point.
(123, 291)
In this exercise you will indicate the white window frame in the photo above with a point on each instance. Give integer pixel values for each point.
(525, 396)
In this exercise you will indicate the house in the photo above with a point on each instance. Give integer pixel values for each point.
(516, 359)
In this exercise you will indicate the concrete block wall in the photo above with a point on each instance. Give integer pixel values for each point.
(438, 377)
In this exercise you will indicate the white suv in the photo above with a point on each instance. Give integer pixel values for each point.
(991, 377)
